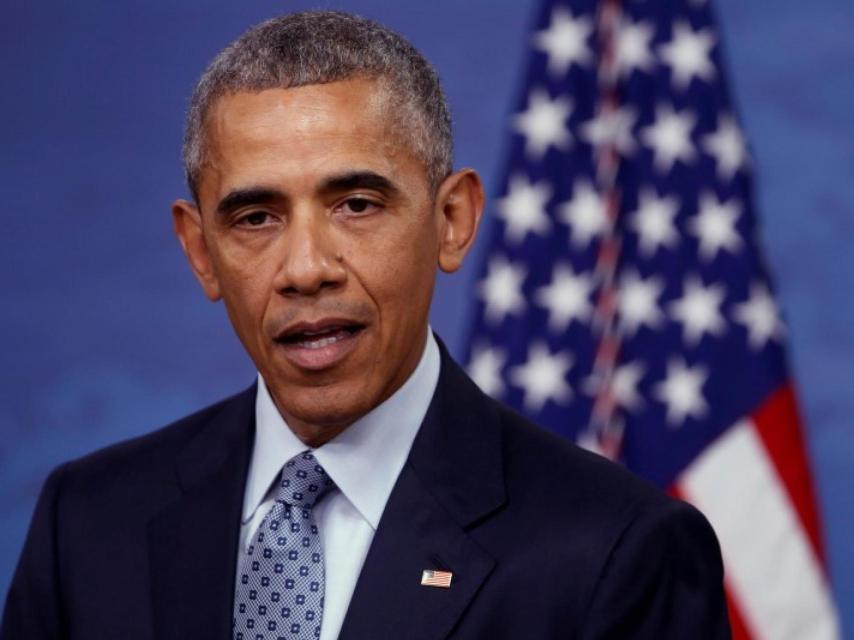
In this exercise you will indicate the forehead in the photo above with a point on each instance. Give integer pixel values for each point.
(295, 134)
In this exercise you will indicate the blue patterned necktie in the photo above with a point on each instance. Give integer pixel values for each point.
(280, 584)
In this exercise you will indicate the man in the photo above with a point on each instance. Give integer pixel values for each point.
(364, 488)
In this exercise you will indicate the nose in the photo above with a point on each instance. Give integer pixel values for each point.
(310, 261)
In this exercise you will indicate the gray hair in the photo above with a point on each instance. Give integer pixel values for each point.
(317, 47)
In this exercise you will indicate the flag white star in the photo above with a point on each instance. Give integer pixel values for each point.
(542, 377)
(681, 391)
(699, 310)
(633, 47)
(714, 226)
(760, 315)
(727, 146)
(638, 302)
(584, 214)
(624, 385)
(611, 128)
(654, 222)
(523, 209)
(669, 137)
(544, 123)
(485, 369)
(566, 298)
(689, 54)
(565, 41)
(501, 289)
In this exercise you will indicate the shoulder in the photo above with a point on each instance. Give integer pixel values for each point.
(619, 549)
(546, 477)
(143, 463)
(574, 476)
(599, 506)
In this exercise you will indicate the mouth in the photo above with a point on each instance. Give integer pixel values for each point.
(321, 344)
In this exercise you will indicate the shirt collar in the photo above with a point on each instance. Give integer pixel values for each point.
(365, 459)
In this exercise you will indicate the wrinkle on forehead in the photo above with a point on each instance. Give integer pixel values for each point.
(310, 107)
(354, 115)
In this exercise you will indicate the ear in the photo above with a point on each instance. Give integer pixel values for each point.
(459, 204)
(187, 222)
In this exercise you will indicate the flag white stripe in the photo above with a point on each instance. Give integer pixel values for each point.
(778, 581)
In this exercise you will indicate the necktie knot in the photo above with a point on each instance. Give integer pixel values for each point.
(303, 481)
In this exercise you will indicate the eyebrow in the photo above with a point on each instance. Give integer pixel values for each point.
(342, 182)
(252, 195)
(359, 180)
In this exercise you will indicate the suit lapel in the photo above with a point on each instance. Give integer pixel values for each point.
(452, 480)
(193, 542)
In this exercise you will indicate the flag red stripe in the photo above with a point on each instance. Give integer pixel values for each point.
(779, 428)
(736, 620)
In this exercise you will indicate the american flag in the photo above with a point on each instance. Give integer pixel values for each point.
(433, 578)
(624, 302)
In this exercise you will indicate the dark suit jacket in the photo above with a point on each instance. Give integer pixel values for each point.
(544, 540)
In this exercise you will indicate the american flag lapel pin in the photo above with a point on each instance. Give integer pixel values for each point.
(431, 578)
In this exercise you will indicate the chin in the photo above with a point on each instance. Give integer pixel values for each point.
(325, 406)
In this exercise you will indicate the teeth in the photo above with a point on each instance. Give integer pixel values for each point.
(319, 344)
(317, 333)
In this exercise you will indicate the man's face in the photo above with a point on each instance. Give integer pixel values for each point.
(321, 234)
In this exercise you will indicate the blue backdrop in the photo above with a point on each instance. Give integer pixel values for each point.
(105, 334)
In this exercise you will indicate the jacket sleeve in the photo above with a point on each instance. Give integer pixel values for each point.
(33, 610)
(662, 581)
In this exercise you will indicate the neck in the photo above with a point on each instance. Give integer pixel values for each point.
(313, 435)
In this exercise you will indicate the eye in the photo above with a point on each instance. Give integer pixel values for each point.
(358, 206)
(254, 219)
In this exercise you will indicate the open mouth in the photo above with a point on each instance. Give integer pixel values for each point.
(319, 345)
(317, 339)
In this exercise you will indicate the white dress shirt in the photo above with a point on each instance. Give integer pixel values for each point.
(364, 461)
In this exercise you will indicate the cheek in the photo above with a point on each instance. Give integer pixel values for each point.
(245, 280)
(399, 272)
